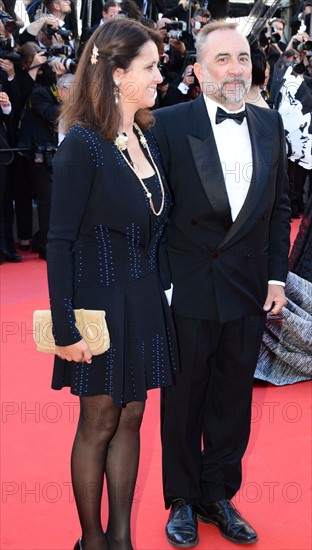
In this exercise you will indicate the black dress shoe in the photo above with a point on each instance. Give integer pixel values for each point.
(181, 529)
(11, 256)
(224, 515)
(78, 545)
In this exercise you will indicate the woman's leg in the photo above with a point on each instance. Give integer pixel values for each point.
(97, 425)
(121, 473)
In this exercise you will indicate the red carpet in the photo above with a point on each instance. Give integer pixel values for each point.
(38, 425)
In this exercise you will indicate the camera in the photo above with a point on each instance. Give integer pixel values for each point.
(58, 50)
(275, 37)
(175, 26)
(65, 34)
(8, 52)
(44, 154)
(264, 40)
(7, 21)
(306, 46)
(53, 55)
(179, 35)
(69, 64)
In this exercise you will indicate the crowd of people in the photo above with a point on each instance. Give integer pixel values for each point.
(158, 157)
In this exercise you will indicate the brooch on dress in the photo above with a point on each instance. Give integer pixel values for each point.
(121, 141)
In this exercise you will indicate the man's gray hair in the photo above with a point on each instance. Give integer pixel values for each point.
(65, 80)
(217, 25)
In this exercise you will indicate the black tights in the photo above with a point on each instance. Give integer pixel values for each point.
(107, 442)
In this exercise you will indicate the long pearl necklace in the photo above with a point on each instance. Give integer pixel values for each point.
(121, 143)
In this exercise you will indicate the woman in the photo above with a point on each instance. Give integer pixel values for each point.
(286, 351)
(258, 76)
(109, 207)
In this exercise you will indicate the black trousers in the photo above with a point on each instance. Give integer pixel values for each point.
(206, 414)
(23, 195)
(41, 178)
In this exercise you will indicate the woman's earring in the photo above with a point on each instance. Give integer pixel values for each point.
(116, 91)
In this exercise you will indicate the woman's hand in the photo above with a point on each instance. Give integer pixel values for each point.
(78, 352)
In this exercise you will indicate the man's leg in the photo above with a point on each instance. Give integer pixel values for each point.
(182, 414)
(227, 425)
(182, 422)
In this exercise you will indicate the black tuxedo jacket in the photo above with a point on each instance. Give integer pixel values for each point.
(220, 269)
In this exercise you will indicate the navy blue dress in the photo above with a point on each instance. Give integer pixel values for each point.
(102, 254)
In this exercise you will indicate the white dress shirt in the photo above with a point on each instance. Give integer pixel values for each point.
(234, 149)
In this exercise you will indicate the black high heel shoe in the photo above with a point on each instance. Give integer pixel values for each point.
(78, 545)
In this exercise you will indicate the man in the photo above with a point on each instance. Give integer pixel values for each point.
(110, 9)
(227, 245)
(277, 34)
(63, 85)
(62, 10)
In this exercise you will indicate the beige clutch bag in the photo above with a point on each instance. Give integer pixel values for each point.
(91, 324)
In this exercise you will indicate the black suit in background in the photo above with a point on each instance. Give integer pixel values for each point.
(220, 272)
(38, 132)
(6, 158)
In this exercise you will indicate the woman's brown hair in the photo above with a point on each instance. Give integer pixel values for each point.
(91, 101)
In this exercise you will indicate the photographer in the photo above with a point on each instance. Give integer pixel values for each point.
(65, 12)
(303, 46)
(7, 251)
(277, 34)
(53, 41)
(179, 56)
(38, 133)
(169, 93)
(17, 78)
(30, 34)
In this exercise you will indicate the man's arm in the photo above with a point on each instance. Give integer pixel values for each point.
(279, 234)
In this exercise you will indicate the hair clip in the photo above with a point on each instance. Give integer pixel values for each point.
(94, 55)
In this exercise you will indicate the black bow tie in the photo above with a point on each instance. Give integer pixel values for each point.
(222, 115)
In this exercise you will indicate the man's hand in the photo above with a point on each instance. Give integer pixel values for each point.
(58, 68)
(276, 296)
(57, 40)
(178, 45)
(4, 100)
(188, 76)
(7, 66)
(36, 26)
(39, 59)
(79, 352)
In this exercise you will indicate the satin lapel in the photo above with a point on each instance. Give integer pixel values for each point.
(261, 145)
(206, 158)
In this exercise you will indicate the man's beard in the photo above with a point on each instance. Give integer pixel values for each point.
(218, 92)
(240, 88)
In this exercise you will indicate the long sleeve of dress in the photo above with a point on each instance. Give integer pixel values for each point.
(73, 174)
